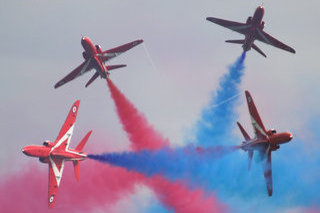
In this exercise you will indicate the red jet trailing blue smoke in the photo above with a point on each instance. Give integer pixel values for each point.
(265, 141)
(252, 30)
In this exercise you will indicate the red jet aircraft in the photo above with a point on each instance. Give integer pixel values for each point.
(94, 59)
(55, 154)
(252, 29)
(264, 142)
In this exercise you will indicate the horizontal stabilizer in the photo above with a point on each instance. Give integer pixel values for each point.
(235, 41)
(94, 77)
(76, 165)
(112, 67)
(256, 48)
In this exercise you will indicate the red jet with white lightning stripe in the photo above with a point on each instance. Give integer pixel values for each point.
(264, 142)
(253, 30)
(56, 153)
(95, 58)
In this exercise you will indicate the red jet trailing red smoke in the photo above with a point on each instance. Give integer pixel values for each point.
(264, 142)
(94, 59)
(56, 153)
(253, 30)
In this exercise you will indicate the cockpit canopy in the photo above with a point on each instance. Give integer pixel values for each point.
(271, 132)
(47, 143)
(98, 48)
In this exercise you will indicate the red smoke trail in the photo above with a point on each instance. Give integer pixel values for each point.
(99, 186)
(183, 200)
(143, 136)
(140, 132)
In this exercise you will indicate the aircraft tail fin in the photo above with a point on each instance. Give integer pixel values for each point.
(256, 48)
(76, 164)
(244, 133)
(112, 67)
(235, 41)
(247, 138)
(94, 77)
(83, 141)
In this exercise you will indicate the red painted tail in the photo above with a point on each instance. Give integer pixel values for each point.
(76, 164)
(247, 138)
(244, 133)
(83, 142)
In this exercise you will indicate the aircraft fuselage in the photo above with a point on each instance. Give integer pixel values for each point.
(274, 139)
(44, 152)
(256, 23)
(92, 51)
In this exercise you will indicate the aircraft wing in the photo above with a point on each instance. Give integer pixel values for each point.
(235, 26)
(267, 170)
(81, 69)
(64, 137)
(256, 121)
(109, 54)
(55, 173)
(268, 39)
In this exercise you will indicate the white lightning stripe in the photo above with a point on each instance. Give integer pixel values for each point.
(57, 173)
(77, 153)
(257, 127)
(67, 136)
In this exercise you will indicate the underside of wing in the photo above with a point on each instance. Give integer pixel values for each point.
(256, 121)
(81, 69)
(268, 39)
(64, 137)
(109, 54)
(235, 26)
(55, 174)
(267, 170)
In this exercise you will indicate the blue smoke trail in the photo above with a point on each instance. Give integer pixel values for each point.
(295, 172)
(190, 162)
(216, 122)
(200, 166)
(180, 163)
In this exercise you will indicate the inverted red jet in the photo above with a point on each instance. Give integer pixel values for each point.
(253, 30)
(94, 59)
(264, 142)
(56, 153)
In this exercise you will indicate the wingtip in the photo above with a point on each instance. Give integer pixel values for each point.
(77, 103)
(89, 133)
(139, 41)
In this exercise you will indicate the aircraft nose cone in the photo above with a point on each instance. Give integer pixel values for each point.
(290, 136)
(25, 151)
(83, 39)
